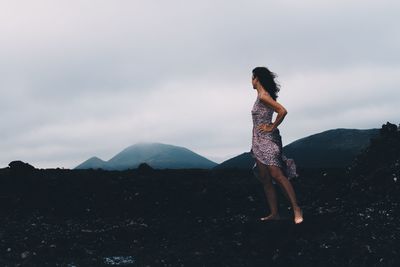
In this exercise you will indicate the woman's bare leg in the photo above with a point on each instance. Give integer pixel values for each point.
(287, 187)
(269, 190)
(284, 192)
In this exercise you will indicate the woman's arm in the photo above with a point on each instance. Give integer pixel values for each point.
(282, 112)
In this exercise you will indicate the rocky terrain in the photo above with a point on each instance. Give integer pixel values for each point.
(195, 217)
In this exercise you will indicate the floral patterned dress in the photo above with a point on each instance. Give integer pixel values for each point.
(267, 146)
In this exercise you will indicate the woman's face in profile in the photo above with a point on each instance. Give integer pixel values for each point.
(253, 81)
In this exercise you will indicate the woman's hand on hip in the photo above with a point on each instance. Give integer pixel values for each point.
(266, 127)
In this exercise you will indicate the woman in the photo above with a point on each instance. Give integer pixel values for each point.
(266, 147)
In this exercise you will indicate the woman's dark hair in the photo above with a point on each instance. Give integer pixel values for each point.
(266, 78)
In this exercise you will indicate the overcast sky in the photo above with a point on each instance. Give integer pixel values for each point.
(89, 78)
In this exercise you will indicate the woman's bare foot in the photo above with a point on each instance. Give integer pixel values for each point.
(298, 215)
(270, 217)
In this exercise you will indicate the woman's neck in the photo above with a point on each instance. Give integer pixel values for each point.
(260, 90)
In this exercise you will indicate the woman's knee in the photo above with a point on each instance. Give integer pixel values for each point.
(263, 173)
(266, 178)
(275, 172)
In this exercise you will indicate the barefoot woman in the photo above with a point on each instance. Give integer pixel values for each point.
(266, 147)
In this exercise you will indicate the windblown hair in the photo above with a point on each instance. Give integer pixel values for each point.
(266, 78)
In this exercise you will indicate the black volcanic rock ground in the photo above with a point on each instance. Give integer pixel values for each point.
(151, 217)
(185, 218)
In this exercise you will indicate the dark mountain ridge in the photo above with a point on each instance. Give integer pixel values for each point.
(157, 155)
(334, 148)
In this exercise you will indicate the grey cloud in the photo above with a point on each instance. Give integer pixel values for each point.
(83, 78)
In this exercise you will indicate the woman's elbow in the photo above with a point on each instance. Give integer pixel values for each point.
(284, 112)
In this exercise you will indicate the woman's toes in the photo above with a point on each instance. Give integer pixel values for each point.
(270, 217)
(298, 215)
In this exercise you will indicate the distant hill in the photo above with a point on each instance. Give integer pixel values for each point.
(331, 148)
(243, 161)
(156, 155)
(92, 163)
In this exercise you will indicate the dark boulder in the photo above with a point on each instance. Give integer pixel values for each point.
(20, 166)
